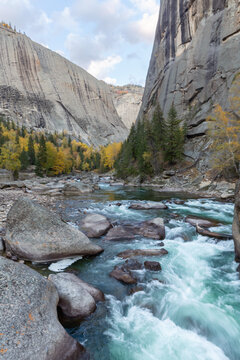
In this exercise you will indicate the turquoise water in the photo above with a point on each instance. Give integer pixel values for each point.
(192, 313)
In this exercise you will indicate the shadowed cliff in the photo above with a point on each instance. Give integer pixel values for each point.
(194, 60)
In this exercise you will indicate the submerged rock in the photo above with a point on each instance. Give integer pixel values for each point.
(35, 233)
(77, 188)
(152, 265)
(119, 233)
(122, 274)
(29, 324)
(205, 223)
(95, 225)
(77, 299)
(154, 229)
(135, 289)
(142, 252)
(236, 223)
(148, 206)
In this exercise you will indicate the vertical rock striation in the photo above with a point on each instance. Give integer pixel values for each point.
(41, 89)
(194, 60)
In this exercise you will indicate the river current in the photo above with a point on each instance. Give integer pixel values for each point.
(192, 313)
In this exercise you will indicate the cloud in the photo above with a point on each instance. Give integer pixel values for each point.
(110, 80)
(100, 68)
(24, 15)
(142, 30)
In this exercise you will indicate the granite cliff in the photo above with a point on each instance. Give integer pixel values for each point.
(41, 89)
(194, 60)
(127, 100)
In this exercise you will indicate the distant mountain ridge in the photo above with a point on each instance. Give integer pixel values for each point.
(41, 89)
(127, 100)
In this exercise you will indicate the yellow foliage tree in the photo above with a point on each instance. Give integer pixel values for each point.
(224, 130)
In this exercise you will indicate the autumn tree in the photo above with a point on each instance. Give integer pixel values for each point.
(224, 131)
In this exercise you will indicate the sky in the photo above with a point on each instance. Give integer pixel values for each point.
(111, 39)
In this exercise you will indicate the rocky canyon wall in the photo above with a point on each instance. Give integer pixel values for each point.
(195, 57)
(41, 89)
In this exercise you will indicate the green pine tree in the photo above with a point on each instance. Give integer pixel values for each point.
(31, 151)
(24, 160)
(174, 138)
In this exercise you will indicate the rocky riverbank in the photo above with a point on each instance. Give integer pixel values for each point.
(33, 232)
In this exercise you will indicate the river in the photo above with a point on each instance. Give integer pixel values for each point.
(192, 313)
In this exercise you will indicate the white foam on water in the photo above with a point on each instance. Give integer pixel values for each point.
(138, 335)
(61, 265)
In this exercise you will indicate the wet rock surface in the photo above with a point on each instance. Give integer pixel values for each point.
(204, 223)
(123, 272)
(152, 265)
(95, 225)
(154, 229)
(212, 234)
(142, 252)
(77, 299)
(120, 232)
(37, 234)
(147, 206)
(29, 324)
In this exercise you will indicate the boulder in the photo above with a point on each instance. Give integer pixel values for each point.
(179, 202)
(124, 274)
(236, 223)
(5, 176)
(212, 234)
(153, 229)
(135, 289)
(142, 252)
(2, 247)
(95, 225)
(12, 184)
(152, 265)
(35, 233)
(148, 206)
(204, 223)
(119, 233)
(29, 323)
(76, 189)
(77, 299)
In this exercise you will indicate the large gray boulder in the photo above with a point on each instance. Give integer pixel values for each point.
(76, 189)
(35, 233)
(29, 328)
(95, 225)
(150, 205)
(77, 299)
(236, 223)
(120, 233)
(153, 229)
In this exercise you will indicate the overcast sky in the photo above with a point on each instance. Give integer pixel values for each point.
(111, 39)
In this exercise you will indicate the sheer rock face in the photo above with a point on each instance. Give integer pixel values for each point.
(195, 58)
(41, 89)
(127, 100)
